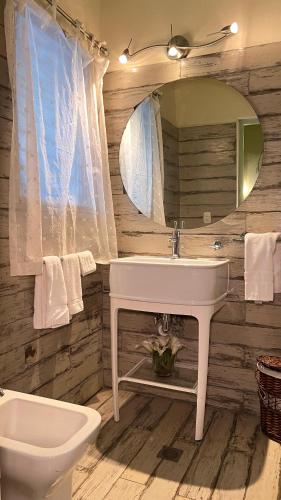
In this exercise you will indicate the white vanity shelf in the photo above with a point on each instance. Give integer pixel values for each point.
(189, 287)
(145, 376)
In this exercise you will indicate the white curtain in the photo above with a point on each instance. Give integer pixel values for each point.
(141, 160)
(60, 194)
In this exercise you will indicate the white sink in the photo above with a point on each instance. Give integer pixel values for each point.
(190, 287)
(169, 281)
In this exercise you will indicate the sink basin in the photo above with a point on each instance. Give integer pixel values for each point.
(169, 281)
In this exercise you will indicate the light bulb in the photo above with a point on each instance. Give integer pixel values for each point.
(234, 27)
(173, 51)
(123, 59)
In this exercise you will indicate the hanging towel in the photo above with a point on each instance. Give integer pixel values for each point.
(259, 266)
(277, 268)
(72, 278)
(50, 299)
(87, 262)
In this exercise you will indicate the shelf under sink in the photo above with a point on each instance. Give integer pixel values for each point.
(184, 378)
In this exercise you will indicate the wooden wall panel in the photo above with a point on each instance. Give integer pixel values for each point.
(171, 172)
(240, 331)
(64, 363)
(205, 187)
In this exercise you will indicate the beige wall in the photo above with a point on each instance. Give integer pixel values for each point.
(87, 11)
(202, 101)
(149, 22)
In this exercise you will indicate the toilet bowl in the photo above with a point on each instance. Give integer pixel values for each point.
(41, 440)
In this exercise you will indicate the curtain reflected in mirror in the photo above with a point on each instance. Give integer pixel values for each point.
(191, 152)
(141, 160)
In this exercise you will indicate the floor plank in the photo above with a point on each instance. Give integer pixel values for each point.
(125, 490)
(152, 413)
(234, 460)
(186, 433)
(146, 461)
(243, 437)
(111, 467)
(264, 480)
(232, 486)
(100, 398)
(168, 475)
(200, 479)
(130, 408)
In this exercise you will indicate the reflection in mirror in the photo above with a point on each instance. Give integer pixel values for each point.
(191, 152)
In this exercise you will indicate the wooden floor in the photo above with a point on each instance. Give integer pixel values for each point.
(234, 461)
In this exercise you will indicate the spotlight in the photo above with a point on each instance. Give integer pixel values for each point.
(234, 27)
(173, 51)
(230, 29)
(177, 47)
(123, 58)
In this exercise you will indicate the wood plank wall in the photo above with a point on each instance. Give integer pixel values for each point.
(241, 330)
(207, 171)
(171, 172)
(64, 363)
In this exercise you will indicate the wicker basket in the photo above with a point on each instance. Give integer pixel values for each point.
(269, 381)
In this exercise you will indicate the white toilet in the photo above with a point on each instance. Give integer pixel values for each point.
(41, 440)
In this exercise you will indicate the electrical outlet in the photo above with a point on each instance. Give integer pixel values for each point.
(207, 217)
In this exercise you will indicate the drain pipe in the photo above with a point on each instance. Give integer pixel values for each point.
(162, 321)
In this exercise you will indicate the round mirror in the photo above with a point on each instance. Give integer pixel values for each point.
(191, 152)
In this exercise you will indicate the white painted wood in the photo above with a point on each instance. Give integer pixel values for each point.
(147, 460)
(203, 314)
(203, 360)
(264, 476)
(201, 477)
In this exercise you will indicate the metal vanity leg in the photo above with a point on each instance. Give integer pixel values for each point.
(114, 359)
(203, 358)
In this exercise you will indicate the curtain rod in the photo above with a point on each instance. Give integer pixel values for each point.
(96, 43)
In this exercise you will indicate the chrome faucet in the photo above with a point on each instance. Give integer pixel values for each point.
(175, 239)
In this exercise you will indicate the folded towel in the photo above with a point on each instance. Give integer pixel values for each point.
(50, 299)
(87, 262)
(72, 278)
(259, 266)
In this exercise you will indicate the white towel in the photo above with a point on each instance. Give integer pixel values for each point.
(72, 278)
(277, 268)
(50, 299)
(87, 262)
(259, 266)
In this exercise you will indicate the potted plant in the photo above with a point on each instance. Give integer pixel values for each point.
(163, 350)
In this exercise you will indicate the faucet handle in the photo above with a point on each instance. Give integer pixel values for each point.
(175, 224)
(216, 245)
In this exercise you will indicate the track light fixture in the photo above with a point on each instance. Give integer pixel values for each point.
(178, 47)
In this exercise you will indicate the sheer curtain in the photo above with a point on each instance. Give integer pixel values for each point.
(141, 160)
(60, 193)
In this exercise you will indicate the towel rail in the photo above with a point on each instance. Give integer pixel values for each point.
(61, 258)
(218, 244)
(241, 237)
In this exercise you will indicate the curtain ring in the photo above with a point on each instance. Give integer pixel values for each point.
(54, 8)
(91, 42)
(78, 27)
